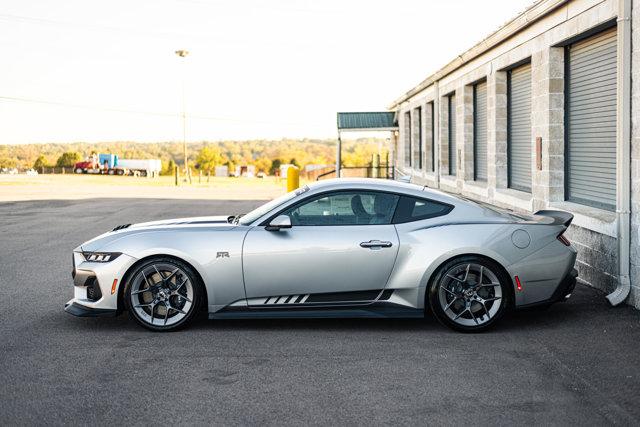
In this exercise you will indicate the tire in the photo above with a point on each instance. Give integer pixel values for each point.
(163, 294)
(119, 172)
(469, 294)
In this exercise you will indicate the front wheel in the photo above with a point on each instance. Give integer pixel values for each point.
(163, 294)
(469, 294)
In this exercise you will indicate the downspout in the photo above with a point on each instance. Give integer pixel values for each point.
(623, 153)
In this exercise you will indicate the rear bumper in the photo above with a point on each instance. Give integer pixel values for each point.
(566, 287)
(562, 292)
(84, 311)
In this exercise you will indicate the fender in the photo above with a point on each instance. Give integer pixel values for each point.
(222, 275)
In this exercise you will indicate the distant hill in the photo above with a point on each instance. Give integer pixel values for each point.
(258, 152)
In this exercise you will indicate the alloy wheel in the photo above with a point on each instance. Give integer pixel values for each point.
(470, 294)
(162, 294)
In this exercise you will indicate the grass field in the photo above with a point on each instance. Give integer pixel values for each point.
(70, 186)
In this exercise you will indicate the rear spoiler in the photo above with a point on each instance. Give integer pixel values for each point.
(559, 217)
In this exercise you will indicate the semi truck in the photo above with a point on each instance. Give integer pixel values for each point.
(110, 164)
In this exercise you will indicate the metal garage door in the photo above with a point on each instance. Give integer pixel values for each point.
(407, 138)
(591, 127)
(418, 143)
(452, 134)
(433, 139)
(519, 142)
(480, 131)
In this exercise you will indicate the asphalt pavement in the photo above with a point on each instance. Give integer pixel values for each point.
(575, 363)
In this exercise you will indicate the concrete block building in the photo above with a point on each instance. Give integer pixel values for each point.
(543, 114)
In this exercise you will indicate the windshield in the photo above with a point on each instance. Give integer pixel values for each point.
(267, 207)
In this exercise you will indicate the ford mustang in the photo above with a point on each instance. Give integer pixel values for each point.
(336, 248)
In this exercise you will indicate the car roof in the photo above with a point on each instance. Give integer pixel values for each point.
(383, 185)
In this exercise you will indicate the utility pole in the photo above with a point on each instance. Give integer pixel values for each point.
(183, 54)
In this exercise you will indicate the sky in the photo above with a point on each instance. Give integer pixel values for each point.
(89, 70)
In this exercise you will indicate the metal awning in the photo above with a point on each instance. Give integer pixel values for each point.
(369, 121)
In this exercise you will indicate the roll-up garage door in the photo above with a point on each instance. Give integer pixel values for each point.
(418, 143)
(452, 134)
(591, 127)
(519, 149)
(480, 131)
(407, 138)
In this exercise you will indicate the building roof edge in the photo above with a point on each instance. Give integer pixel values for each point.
(532, 14)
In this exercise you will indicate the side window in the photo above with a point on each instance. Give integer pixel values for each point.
(345, 208)
(413, 209)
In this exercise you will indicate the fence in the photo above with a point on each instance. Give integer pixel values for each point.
(382, 171)
(55, 170)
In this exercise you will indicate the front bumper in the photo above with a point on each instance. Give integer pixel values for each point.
(96, 285)
(83, 311)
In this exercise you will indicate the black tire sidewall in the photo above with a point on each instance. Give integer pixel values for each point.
(197, 294)
(438, 311)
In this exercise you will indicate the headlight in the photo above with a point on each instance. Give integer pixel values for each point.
(100, 256)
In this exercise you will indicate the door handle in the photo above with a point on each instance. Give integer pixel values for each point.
(373, 244)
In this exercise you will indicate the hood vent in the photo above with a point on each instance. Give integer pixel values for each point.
(121, 227)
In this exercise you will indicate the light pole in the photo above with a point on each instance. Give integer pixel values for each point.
(183, 54)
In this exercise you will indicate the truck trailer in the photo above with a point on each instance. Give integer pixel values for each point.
(143, 167)
(110, 164)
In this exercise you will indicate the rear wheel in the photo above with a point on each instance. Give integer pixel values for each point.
(469, 294)
(163, 294)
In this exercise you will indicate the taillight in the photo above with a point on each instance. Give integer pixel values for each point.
(564, 240)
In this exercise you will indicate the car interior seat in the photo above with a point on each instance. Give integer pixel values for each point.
(382, 206)
(362, 216)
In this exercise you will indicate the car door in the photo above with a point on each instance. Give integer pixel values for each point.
(339, 242)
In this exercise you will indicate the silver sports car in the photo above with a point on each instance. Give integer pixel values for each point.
(337, 248)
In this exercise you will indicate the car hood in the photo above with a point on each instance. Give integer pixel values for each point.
(210, 220)
(214, 223)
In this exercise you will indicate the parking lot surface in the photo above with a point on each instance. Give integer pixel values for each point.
(575, 363)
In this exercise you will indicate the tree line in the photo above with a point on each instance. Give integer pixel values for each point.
(265, 155)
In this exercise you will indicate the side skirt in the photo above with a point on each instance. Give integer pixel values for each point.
(375, 310)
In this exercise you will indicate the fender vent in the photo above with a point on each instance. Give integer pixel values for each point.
(386, 294)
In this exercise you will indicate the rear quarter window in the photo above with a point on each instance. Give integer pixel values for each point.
(414, 209)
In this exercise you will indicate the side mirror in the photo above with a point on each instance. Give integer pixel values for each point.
(278, 223)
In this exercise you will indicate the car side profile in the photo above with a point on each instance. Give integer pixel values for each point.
(336, 248)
